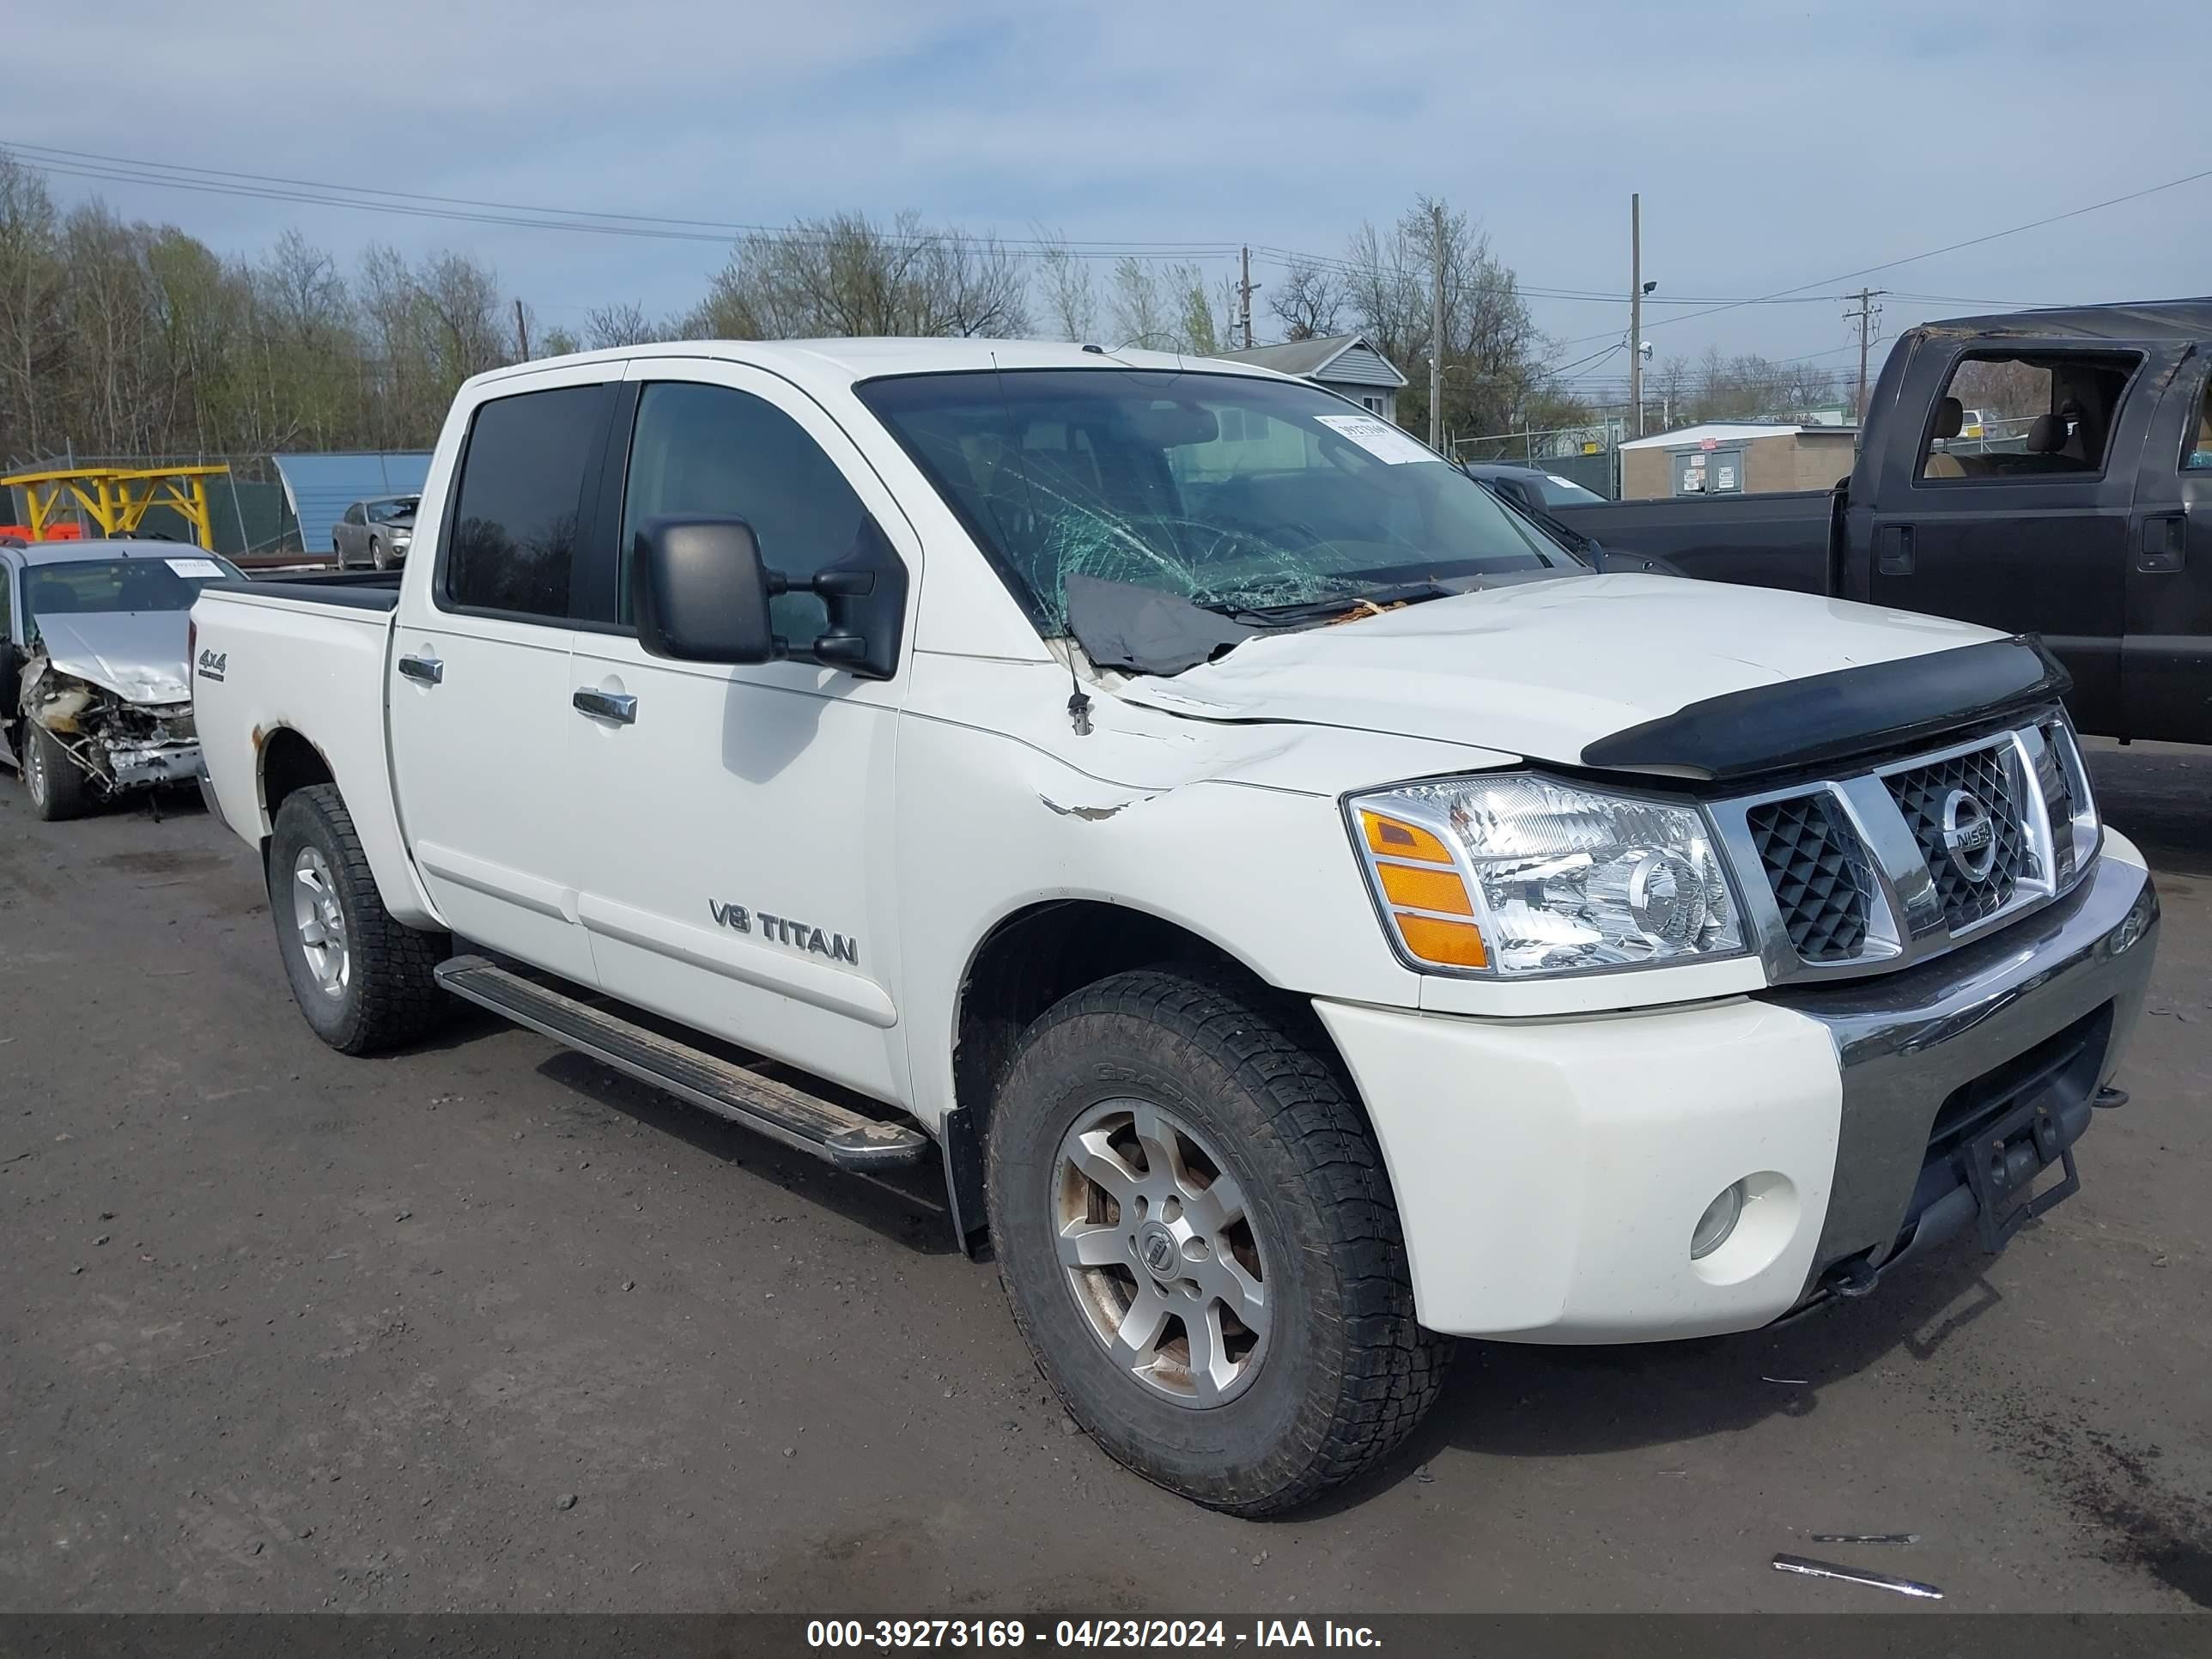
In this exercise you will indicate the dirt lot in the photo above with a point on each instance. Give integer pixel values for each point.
(488, 1326)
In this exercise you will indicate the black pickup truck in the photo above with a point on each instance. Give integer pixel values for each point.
(2090, 522)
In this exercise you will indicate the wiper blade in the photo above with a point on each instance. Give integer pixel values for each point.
(1309, 611)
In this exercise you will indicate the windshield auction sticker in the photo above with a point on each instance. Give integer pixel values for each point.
(198, 570)
(1378, 438)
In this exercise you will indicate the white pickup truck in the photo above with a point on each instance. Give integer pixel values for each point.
(1309, 914)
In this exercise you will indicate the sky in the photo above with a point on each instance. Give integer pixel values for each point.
(1776, 146)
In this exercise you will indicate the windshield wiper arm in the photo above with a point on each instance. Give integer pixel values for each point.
(1291, 614)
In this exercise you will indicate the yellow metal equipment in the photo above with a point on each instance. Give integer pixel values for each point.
(116, 499)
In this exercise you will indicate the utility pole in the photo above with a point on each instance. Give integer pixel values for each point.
(1865, 316)
(1636, 307)
(1437, 327)
(521, 332)
(1245, 289)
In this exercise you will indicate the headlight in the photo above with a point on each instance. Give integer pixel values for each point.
(1522, 876)
(401, 537)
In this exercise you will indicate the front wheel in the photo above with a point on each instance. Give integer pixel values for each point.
(364, 981)
(56, 785)
(1201, 1245)
(376, 556)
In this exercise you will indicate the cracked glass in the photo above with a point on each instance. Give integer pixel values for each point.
(1230, 491)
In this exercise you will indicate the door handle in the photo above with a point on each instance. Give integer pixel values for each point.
(606, 706)
(2163, 548)
(427, 671)
(1894, 555)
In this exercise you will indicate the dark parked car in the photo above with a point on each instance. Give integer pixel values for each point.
(1532, 488)
(1536, 495)
(2094, 530)
(375, 533)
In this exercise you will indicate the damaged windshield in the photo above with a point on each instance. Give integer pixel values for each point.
(1228, 491)
(85, 587)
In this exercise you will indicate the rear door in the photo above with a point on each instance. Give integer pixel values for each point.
(2167, 655)
(2032, 534)
(477, 687)
(735, 865)
(346, 534)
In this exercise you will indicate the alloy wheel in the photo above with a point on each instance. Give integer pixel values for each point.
(1160, 1253)
(321, 921)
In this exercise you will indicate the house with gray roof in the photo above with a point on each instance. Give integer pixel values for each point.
(1345, 363)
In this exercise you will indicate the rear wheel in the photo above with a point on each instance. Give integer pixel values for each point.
(56, 785)
(1200, 1246)
(364, 981)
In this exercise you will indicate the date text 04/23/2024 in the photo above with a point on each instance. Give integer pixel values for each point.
(884, 1634)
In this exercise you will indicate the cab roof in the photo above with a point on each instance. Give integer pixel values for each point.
(2148, 319)
(877, 357)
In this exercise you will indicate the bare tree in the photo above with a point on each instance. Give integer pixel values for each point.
(1143, 315)
(1070, 299)
(1490, 346)
(845, 275)
(1307, 300)
(32, 345)
(624, 325)
(1170, 308)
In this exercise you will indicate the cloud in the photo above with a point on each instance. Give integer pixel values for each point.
(1773, 144)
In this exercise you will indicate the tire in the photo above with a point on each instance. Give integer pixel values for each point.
(376, 561)
(56, 784)
(1335, 1372)
(379, 990)
(337, 551)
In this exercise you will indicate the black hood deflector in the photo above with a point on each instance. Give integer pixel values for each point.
(1853, 711)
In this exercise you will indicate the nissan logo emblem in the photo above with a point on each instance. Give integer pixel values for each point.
(1970, 834)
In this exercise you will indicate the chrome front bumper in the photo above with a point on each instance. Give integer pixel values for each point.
(1918, 1049)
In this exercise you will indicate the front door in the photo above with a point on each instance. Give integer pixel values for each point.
(2168, 650)
(478, 685)
(2031, 537)
(740, 874)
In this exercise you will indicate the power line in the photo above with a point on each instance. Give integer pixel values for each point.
(1949, 247)
(472, 210)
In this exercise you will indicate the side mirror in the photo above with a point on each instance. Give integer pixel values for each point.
(700, 591)
(701, 594)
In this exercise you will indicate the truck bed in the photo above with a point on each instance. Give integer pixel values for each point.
(1781, 539)
(290, 674)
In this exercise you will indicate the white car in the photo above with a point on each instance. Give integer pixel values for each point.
(1308, 914)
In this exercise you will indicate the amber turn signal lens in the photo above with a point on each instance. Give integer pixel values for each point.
(1449, 943)
(1394, 840)
(1425, 889)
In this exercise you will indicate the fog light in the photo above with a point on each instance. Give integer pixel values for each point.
(1718, 1221)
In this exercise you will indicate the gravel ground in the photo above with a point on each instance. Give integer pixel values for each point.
(487, 1326)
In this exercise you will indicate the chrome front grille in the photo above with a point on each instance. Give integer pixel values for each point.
(1818, 873)
(1871, 871)
(1929, 795)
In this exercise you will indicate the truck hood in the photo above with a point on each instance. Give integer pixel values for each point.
(1544, 669)
(139, 655)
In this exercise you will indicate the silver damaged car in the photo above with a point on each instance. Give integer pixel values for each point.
(95, 690)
